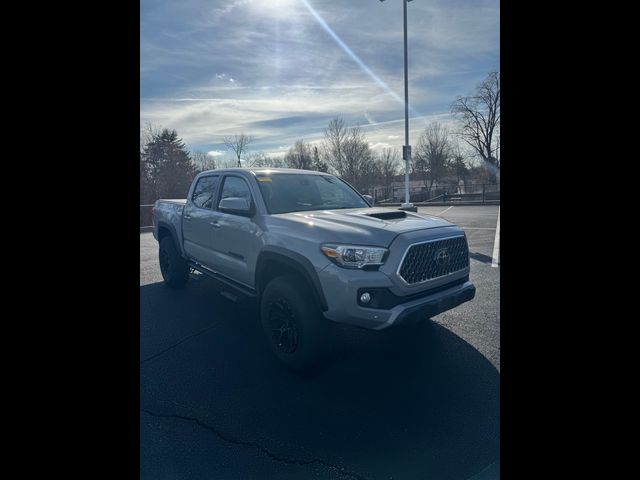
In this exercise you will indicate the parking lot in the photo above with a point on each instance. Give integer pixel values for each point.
(216, 405)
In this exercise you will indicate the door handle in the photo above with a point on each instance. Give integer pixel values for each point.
(214, 224)
(187, 217)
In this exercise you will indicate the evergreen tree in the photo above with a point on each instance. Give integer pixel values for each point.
(317, 163)
(168, 166)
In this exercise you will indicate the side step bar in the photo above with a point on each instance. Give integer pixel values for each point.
(236, 287)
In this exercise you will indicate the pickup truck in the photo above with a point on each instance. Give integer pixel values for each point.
(310, 250)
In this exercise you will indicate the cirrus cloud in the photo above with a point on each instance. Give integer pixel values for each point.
(269, 69)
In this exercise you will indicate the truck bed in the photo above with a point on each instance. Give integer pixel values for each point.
(169, 213)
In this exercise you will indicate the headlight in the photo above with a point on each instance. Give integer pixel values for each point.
(354, 256)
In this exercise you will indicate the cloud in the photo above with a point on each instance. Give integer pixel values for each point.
(228, 8)
(215, 153)
(269, 69)
(380, 146)
(369, 118)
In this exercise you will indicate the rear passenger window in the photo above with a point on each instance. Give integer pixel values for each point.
(204, 192)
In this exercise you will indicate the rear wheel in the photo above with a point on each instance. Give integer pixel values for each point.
(174, 268)
(292, 323)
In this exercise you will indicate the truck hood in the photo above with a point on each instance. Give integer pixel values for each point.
(369, 226)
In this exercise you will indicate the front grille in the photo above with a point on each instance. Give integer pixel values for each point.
(429, 260)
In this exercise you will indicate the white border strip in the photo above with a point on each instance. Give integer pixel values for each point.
(496, 244)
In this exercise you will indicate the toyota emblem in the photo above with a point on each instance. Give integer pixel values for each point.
(441, 257)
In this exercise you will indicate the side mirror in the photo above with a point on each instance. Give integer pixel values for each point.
(369, 199)
(235, 205)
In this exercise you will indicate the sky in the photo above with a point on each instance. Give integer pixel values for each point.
(280, 70)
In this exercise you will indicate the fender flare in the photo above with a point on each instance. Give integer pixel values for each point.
(173, 233)
(297, 262)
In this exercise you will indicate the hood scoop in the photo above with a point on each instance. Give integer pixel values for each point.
(393, 214)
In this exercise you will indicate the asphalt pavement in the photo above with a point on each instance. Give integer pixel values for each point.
(388, 405)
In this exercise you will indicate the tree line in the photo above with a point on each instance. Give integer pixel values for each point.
(167, 167)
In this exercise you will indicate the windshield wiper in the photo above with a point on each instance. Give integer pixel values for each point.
(339, 208)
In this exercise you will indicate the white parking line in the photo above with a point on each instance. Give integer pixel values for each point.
(496, 244)
(445, 210)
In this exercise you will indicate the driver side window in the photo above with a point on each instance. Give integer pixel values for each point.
(235, 187)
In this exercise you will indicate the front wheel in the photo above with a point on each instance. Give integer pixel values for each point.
(292, 323)
(174, 268)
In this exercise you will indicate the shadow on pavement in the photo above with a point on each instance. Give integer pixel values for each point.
(481, 257)
(410, 403)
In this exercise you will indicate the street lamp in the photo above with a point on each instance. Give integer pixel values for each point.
(406, 148)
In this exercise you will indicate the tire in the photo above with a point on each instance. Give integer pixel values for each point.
(293, 324)
(174, 268)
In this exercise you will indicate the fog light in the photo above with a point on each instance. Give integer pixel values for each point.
(365, 297)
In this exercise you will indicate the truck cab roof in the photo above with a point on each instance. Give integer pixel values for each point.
(264, 170)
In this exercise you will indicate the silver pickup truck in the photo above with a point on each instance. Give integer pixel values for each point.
(310, 249)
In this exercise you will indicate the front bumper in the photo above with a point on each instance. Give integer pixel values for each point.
(341, 291)
(432, 305)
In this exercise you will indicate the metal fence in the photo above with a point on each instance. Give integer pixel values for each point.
(481, 193)
(145, 215)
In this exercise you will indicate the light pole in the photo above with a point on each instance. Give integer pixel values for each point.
(406, 148)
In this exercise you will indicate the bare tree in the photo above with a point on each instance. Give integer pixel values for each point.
(226, 162)
(335, 139)
(433, 153)
(148, 132)
(388, 165)
(203, 161)
(360, 166)
(149, 164)
(263, 160)
(347, 151)
(458, 163)
(479, 116)
(299, 156)
(238, 144)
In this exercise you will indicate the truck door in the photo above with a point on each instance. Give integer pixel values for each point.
(236, 239)
(198, 218)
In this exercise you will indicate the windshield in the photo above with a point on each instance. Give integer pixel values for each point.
(294, 192)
